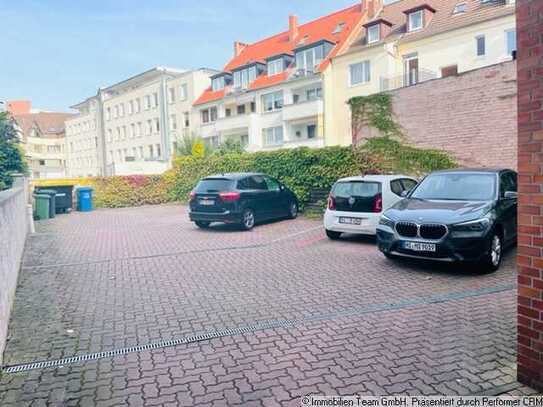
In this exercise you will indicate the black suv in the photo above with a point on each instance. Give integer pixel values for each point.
(241, 198)
(456, 215)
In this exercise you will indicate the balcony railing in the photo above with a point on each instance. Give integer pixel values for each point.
(408, 79)
(303, 109)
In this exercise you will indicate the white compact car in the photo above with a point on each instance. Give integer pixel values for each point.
(355, 204)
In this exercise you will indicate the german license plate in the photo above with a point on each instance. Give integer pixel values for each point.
(420, 247)
(207, 202)
(350, 221)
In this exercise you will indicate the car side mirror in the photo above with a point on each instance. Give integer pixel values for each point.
(404, 193)
(510, 195)
(281, 187)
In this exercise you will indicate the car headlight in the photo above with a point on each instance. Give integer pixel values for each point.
(479, 225)
(386, 221)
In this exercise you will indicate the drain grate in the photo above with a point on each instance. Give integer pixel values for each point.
(260, 326)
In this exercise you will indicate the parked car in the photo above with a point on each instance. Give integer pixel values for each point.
(454, 216)
(241, 198)
(355, 204)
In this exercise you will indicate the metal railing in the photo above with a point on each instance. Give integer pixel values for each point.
(408, 79)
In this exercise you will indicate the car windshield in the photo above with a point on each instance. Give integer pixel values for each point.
(356, 188)
(214, 185)
(457, 187)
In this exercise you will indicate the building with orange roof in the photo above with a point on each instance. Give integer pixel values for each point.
(270, 94)
(42, 136)
(411, 41)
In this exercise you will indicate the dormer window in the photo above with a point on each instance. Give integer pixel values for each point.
(311, 56)
(419, 17)
(276, 66)
(244, 77)
(373, 33)
(416, 20)
(217, 83)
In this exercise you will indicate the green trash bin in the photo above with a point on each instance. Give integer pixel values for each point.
(42, 205)
(52, 193)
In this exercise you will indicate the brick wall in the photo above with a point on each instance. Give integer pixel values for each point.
(13, 231)
(472, 115)
(530, 156)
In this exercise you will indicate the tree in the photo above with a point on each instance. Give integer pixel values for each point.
(229, 146)
(11, 154)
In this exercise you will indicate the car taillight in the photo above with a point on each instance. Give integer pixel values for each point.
(331, 202)
(192, 195)
(229, 196)
(378, 203)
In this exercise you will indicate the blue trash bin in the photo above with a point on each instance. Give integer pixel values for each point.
(84, 199)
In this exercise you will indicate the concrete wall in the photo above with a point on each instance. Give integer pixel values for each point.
(472, 115)
(530, 153)
(14, 226)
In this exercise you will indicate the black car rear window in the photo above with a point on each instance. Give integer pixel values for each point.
(215, 185)
(356, 188)
(457, 187)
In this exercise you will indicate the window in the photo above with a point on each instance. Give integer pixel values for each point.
(275, 66)
(155, 99)
(243, 78)
(137, 105)
(131, 107)
(359, 73)
(121, 110)
(257, 182)
(141, 151)
(183, 94)
(186, 119)
(511, 41)
(273, 136)
(149, 127)
(171, 95)
(339, 28)
(241, 109)
(272, 101)
(451, 70)
(460, 8)
(173, 122)
(416, 20)
(124, 132)
(228, 112)
(118, 135)
(396, 187)
(109, 135)
(508, 183)
(157, 125)
(108, 113)
(158, 151)
(273, 185)
(313, 94)
(308, 59)
(209, 115)
(116, 112)
(132, 130)
(480, 45)
(151, 151)
(311, 131)
(217, 83)
(373, 33)
(147, 102)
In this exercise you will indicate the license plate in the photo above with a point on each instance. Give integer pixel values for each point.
(420, 247)
(207, 202)
(350, 221)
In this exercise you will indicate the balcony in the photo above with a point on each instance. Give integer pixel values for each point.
(403, 81)
(303, 110)
(225, 125)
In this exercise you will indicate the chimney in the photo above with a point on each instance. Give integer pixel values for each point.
(292, 28)
(372, 6)
(238, 48)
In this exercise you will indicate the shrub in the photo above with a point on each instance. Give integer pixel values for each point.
(301, 169)
(11, 154)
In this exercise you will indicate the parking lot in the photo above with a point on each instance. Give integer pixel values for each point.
(186, 316)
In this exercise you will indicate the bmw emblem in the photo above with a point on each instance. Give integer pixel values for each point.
(351, 201)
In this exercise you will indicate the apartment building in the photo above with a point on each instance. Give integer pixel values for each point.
(42, 136)
(407, 42)
(133, 127)
(270, 94)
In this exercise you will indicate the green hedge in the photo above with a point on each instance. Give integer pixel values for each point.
(301, 169)
(304, 169)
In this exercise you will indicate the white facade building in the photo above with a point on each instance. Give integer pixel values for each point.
(133, 126)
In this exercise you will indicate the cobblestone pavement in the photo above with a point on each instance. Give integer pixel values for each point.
(322, 317)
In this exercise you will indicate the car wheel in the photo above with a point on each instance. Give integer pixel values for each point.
(493, 258)
(202, 224)
(333, 235)
(293, 210)
(248, 219)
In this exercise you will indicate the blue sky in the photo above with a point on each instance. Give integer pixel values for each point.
(58, 52)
